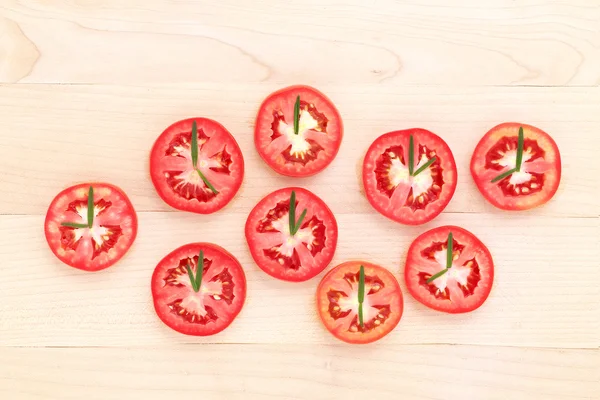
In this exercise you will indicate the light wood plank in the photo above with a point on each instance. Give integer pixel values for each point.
(55, 135)
(495, 42)
(251, 372)
(545, 294)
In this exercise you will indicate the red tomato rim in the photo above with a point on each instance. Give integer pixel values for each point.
(156, 174)
(69, 189)
(482, 148)
(258, 129)
(368, 265)
(449, 184)
(184, 249)
(332, 230)
(424, 237)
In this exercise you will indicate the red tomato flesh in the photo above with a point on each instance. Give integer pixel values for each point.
(465, 286)
(391, 190)
(539, 176)
(91, 249)
(289, 257)
(220, 298)
(219, 159)
(337, 302)
(319, 134)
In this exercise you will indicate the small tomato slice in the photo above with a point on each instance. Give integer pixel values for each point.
(337, 302)
(539, 176)
(391, 190)
(113, 230)
(319, 134)
(285, 256)
(220, 298)
(468, 282)
(220, 161)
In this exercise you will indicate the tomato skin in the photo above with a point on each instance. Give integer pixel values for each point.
(227, 188)
(473, 246)
(285, 99)
(317, 208)
(483, 176)
(390, 295)
(56, 215)
(387, 206)
(160, 295)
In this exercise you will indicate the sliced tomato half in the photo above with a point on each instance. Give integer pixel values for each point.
(393, 191)
(465, 285)
(282, 255)
(214, 306)
(319, 131)
(337, 302)
(539, 176)
(220, 162)
(113, 230)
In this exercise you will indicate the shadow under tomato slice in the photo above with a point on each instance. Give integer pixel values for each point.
(219, 170)
(276, 251)
(337, 302)
(389, 185)
(465, 286)
(495, 155)
(319, 131)
(112, 232)
(214, 306)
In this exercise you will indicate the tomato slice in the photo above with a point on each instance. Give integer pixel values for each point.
(220, 298)
(319, 131)
(468, 282)
(114, 226)
(289, 257)
(220, 161)
(539, 176)
(337, 302)
(391, 190)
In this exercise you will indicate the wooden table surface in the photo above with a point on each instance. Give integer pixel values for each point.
(86, 88)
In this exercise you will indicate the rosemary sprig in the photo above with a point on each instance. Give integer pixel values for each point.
(518, 161)
(74, 225)
(297, 115)
(449, 258)
(90, 213)
(411, 159)
(90, 207)
(520, 149)
(195, 145)
(361, 295)
(295, 225)
(504, 175)
(411, 156)
(197, 280)
(424, 166)
(195, 158)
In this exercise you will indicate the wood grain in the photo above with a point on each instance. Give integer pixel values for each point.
(499, 42)
(87, 86)
(546, 285)
(64, 134)
(299, 372)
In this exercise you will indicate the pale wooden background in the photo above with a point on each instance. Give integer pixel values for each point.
(88, 85)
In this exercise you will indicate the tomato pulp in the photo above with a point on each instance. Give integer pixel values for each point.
(219, 299)
(389, 185)
(217, 176)
(90, 245)
(538, 178)
(319, 131)
(287, 256)
(338, 302)
(464, 286)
